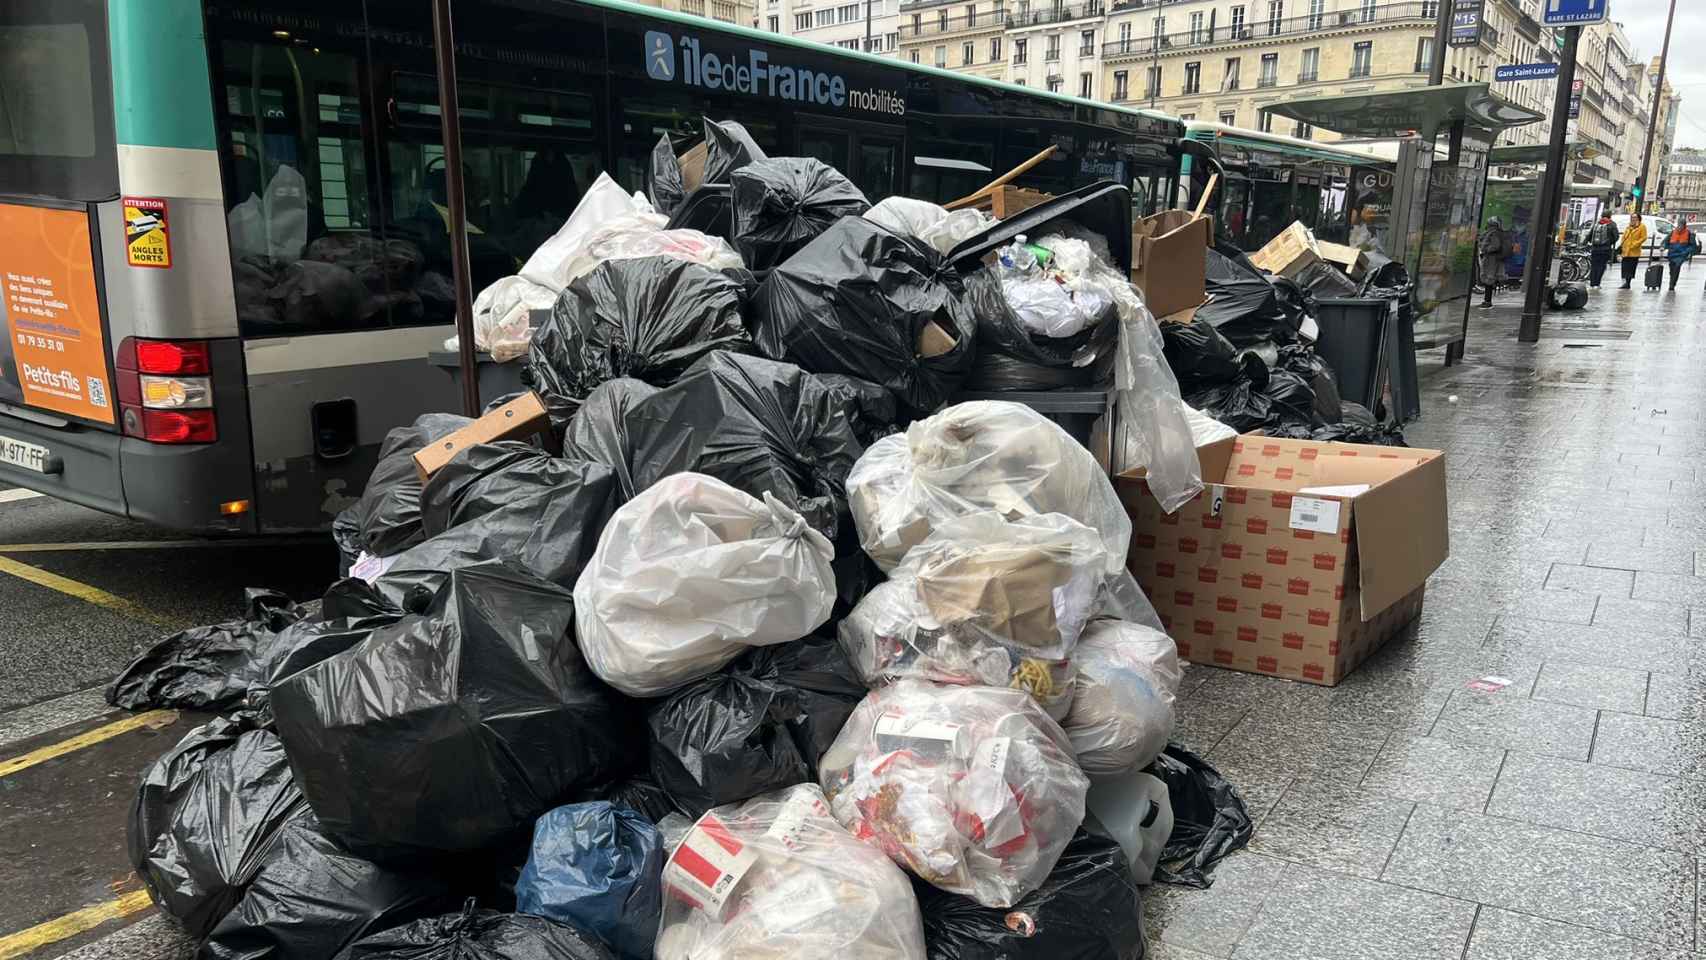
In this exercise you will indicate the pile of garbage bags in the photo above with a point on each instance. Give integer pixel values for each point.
(766, 648)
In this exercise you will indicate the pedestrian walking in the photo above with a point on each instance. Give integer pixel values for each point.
(1602, 243)
(1680, 247)
(1492, 248)
(1634, 241)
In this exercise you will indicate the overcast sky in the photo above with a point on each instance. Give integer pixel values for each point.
(1644, 22)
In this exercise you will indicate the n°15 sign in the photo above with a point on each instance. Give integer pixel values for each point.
(1565, 13)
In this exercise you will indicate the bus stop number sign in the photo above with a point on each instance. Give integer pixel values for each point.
(147, 235)
(1566, 13)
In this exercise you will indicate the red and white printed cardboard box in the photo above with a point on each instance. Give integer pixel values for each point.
(1299, 558)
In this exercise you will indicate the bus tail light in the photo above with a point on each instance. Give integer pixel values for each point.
(165, 390)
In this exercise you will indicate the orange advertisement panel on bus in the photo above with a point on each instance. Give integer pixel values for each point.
(54, 356)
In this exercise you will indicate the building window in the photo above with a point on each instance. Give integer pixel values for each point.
(1311, 70)
(824, 18)
(1316, 9)
(1087, 43)
(1152, 85)
(775, 24)
(1052, 50)
(1053, 84)
(1196, 28)
(941, 55)
(894, 40)
(1266, 123)
(967, 54)
(971, 14)
(942, 20)
(802, 21)
(847, 14)
(1187, 116)
(917, 24)
(1424, 54)
(1368, 11)
(1238, 23)
(1125, 37)
(1303, 131)
(1430, 9)
(1270, 71)
(1229, 118)
(1084, 85)
(1362, 59)
(1120, 88)
(994, 49)
(914, 55)
(1276, 16)
(1019, 50)
(1231, 82)
(1193, 78)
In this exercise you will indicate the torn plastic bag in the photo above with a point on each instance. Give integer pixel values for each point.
(599, 429)
(1210, 821)
(777, 878)
(648, 318)
(596, 867)
(488, 477)
(1089, 908)
(1122, 706)
(870, 408)
(311, 898)
(664, 181)
(205, 816)
(869, 303)
(205, 668)
(1153, 435)
(450, 730)
(781, 203)
(759, 725)
(477, 934)
(922, 220)
(1010, 357)
(692, 572)
(728, 147)
(975, 456)
(550, 533)
(1198, 354)
(973, 789)
(755, 424)
(388, 515)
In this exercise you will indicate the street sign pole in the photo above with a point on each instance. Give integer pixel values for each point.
(1540, 238)
(1653, 123)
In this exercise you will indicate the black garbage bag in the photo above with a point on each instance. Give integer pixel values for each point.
(647, 317)
(550, 532)
(487, 477)
(641, 795)
(759, 724)
(1357, 425)
(1303, 361)
(1210, 821)
(781, 203)
(206, 668)
(1323, 279)
(387, 518)
(1010, 357)
(311, 898)
(1246, 307)
(870, 408)
(728, 147)
(1385, 279)
(599, 429)
(476, 934)
(320, 296)
(755, 424)
(448, 731)
(205, 816)
(1089, 908)
(1240, 405)
(664, 182)
(1199, 355)
(869, 303)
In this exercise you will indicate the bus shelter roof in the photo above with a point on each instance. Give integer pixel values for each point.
(1393, 113)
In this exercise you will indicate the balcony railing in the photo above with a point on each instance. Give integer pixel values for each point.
(1267, 81)
(1144, 46)
(1362, 72)
(1308, 76)
(1058, 13)
(935, 27)
(1526, 26)
(1489, 36)
(1594, 97)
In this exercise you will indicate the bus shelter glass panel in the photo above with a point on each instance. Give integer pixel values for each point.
(1450, 209)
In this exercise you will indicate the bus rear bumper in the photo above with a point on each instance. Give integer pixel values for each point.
(84, 463)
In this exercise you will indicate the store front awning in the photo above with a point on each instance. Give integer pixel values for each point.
(1423, 110)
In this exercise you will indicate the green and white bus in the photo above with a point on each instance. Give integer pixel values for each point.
(226, 233)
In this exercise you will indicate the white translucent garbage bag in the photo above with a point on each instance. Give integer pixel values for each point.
(690, 573)
(973, 789)
(1205, 429)
(1122, 709)
(922, 220)
(1154, 433)
(1072, 293)
(777, 878)
(503, 317)
(603, 204)
(975, 456)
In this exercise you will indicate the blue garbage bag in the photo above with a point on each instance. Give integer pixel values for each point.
(599, 867)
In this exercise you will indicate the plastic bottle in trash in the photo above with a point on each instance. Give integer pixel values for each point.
(1134, 810)
(1018, 255)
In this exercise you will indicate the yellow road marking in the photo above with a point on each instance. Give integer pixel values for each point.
(153, 718)
(28, 941)
(81, 591)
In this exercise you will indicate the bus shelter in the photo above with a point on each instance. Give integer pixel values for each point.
(1427, 216)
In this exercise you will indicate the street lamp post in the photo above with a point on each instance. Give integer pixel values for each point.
(1653, 124)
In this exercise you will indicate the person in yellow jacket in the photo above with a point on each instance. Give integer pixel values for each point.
(1634, 239)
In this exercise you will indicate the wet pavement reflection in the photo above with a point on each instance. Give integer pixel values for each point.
(1558, 808)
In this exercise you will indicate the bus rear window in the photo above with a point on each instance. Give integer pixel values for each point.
(47, 102)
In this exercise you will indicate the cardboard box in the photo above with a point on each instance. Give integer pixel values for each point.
(1352, 260)
(1169, 259)
(1254, 576)
(521, 417)
(1289, 253)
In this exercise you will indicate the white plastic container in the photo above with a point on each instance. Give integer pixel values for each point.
(1137, 814)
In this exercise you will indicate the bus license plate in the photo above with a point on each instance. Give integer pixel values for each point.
(29, 456)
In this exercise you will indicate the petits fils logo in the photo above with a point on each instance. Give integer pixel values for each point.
(660, 55)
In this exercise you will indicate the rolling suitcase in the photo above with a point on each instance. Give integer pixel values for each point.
(1655, 276)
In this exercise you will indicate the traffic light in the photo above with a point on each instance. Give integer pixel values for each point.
(1637, 192)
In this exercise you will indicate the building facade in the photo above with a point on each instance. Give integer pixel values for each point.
(740, 12)
(1685, 185)
(964, 35)
(868, 25)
